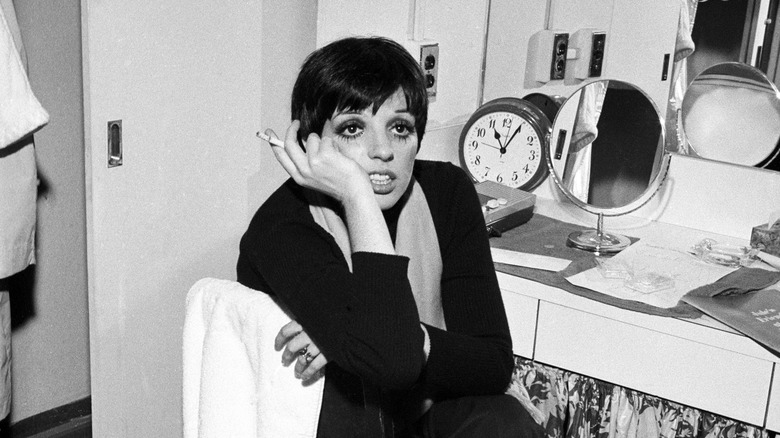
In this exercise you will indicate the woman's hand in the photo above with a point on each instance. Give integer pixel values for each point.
(299, 348)
(322, 167)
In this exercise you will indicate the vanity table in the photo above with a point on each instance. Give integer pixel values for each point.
(695, 362)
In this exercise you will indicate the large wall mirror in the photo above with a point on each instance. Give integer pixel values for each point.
(731, 107)
(732, 31)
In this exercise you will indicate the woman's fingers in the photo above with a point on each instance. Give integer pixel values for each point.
(314, 369)
(295, 161)
(296, 346)
(287, 332)
(306, 358)
(310, 363)
(299, 348)
(282, 155)
(293, 150)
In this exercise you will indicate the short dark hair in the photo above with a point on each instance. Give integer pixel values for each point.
(355, 73)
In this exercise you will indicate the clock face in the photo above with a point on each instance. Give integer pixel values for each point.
(506, 146)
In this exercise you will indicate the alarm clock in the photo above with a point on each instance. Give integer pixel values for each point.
(505, 141)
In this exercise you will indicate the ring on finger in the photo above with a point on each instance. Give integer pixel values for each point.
(308, 357)
(303, 351)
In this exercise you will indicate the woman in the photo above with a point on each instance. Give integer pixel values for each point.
(383, 260)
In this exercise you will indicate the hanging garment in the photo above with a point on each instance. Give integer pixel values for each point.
(20, 115)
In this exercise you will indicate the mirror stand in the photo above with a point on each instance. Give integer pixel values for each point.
(597, 241)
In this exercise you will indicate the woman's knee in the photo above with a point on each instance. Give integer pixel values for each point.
(483, 416)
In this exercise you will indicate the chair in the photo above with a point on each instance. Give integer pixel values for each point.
(234, 384)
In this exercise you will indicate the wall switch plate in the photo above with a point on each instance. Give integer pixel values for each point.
(429, 61)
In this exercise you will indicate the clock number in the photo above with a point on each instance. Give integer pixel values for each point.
(507, 123)
(474, 145)
(487, 170)
(499, 178)
(477, 159)
(481, 132)
(530, 140)
(526, 169)
(492, 123)
(515, 176)
(533, 155)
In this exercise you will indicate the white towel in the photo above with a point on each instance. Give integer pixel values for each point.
(234, 384)
(20, 112)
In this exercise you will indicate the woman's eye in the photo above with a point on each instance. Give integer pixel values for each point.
(350, 131)
(402, 129)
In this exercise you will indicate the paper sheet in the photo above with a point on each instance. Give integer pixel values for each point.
(686, 270)
(527, 260)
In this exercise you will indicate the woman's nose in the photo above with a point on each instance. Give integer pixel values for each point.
(381, 147)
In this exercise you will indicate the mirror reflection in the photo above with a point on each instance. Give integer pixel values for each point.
(607, 145)
(731, 113)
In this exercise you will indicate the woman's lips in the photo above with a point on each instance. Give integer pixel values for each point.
(383, 182)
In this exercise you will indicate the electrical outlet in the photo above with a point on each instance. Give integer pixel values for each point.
(547, 54)
(598, 44)
(429, 61)
(587, 47)
(559, 48)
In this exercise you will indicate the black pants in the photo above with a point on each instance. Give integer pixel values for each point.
(496, 416)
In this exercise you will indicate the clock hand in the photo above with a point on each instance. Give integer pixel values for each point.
(513, 135)
(497, 136)
(491, 146)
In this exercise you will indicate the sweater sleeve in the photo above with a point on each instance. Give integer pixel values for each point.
(474, 356)
(365, 321)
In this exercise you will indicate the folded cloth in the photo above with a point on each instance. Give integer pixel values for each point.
(234, 383)
(739, 282)
(20, 112)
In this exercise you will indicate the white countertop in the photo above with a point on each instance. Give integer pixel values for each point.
(704, 330)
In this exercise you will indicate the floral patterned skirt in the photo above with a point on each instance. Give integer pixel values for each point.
(572, 406)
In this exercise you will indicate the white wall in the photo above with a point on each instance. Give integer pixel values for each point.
(458, 26)
(639, 34)
(51, 347)
(192, 82)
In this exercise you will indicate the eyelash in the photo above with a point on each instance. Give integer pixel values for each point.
(342, 130)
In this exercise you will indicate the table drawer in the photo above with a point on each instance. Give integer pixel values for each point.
(521, 314)
(773, 413)
(694, 374)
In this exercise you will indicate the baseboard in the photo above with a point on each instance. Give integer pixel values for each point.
(52, 419)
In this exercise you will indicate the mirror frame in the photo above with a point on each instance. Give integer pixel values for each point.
(653, 186)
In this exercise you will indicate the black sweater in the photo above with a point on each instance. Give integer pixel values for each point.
(366, 321)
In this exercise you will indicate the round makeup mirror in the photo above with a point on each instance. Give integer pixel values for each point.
(731, 112)
(607, 156)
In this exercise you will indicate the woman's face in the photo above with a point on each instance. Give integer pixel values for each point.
(383, 144)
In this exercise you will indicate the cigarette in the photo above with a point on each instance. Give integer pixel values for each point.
(272, 140)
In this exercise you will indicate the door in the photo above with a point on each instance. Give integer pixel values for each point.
(191, 82)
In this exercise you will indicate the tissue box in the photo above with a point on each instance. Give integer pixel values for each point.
(767, 237)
